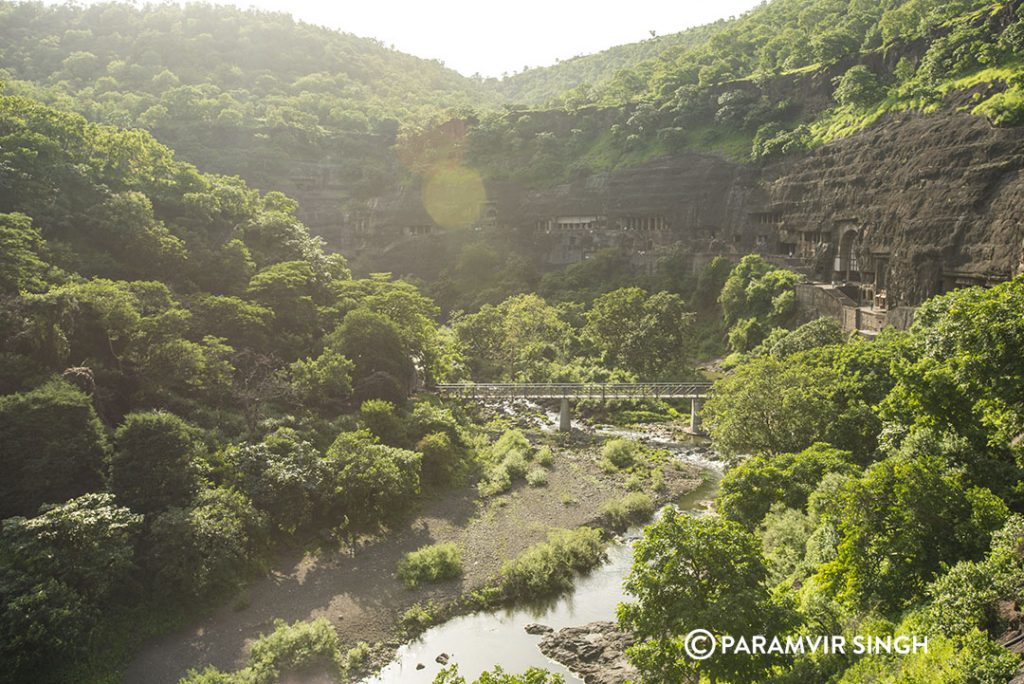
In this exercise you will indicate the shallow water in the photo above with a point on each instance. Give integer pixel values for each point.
(479, 641)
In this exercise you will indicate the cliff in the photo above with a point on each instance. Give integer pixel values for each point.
(940, 197)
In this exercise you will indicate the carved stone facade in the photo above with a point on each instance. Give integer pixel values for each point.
(909, 208)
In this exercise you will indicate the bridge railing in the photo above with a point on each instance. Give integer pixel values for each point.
(570, 390)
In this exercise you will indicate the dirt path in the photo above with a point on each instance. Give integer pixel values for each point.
(357, 589)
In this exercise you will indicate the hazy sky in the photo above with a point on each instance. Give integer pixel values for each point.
(494, 37)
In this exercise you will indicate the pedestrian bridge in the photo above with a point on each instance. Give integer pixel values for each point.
(696, 392)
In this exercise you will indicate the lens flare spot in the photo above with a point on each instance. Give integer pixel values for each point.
(453, 196)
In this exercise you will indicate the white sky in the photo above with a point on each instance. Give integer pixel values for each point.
(492, 37)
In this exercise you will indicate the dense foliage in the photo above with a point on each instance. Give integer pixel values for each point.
(243, 92)
(875, 489)
(189, 379)
(181, 366)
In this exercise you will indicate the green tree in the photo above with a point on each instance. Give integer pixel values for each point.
(372, 482)
(749, 489)
(52, 448)
(324, 382)
(962, 371)
(284, 476)
(515, 340)
(698, 573)
(858, 87)
(899, 523)
(286, 288)
(769, 406)
(382, 419)
(756, 297)
(21, 267)
(153, 466)
(374, 345)
(58, 571)
(647, 335)
(208, 546)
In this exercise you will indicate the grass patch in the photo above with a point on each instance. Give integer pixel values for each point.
(632, 509)
(537, 477)
(420, 616)
(512, 459)
(549, 567)
(357, 658)
(430, 564)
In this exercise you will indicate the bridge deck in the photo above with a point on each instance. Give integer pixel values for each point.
(576, 390)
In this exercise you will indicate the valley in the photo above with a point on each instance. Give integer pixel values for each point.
(288, 319)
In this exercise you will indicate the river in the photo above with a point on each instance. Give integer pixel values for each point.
(479, 641)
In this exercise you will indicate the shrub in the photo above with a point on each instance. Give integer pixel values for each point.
(510, 440)
(509, 459)
(357, 657)
(533, 675)
(302, 647)
(496, 482)
(537, 477)
(549, 566)
(1005, 108)
(619, 454)
(440, 457)
(427, 418)
(545, 457)
(430, 564)
(631, 509)
(516, 464)
(418, 617)
(858, 87)
(381, 418)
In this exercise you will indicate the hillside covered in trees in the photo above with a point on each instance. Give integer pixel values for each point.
(240, 92)
(191, 381)
(271, 99)
(784, 78)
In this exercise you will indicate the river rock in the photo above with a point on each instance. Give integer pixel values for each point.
(596, 652)
(442, 659)
(537, 628)
(420, 666)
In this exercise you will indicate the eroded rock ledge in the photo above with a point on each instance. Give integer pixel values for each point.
(596, 652)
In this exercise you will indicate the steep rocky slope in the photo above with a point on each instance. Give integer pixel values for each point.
(941, 196)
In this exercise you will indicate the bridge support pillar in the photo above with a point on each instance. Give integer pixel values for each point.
(696, 405)
(564, 417)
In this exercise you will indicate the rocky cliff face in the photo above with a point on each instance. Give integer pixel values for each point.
(938, 197)
(913, 206)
